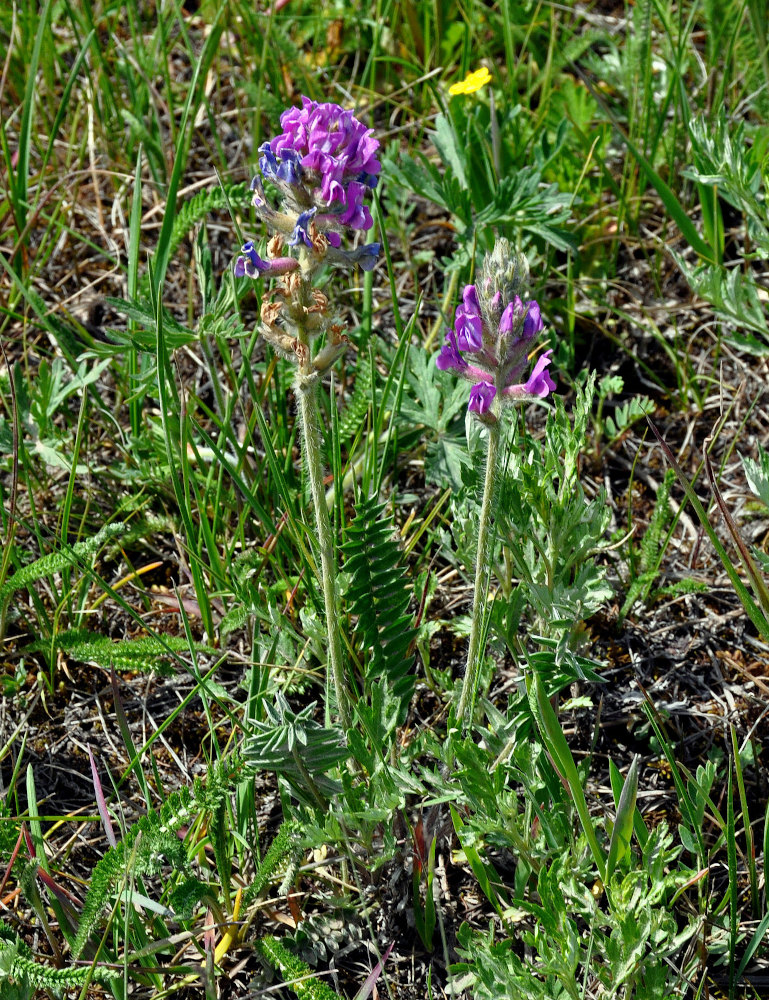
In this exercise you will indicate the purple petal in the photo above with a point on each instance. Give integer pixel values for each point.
(449, 356)
(507, 319)
(481, 397)
(539, 383)
(470, 299)
(533, 324)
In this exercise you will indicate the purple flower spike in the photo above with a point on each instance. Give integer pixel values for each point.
(481, 397)
(493, 338)
(449, 356)
(331, 145)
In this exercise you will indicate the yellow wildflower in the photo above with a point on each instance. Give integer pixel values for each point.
(472, 82)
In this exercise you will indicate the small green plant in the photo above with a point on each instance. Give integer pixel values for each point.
(646, 559)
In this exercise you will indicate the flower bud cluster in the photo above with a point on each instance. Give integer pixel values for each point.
(494, 335)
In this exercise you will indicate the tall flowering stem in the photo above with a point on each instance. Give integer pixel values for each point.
(322, 165)
(492, 345)
(466, 706)
(307, 394)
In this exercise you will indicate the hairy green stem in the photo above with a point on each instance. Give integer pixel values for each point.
(307, 390)
(466, 706)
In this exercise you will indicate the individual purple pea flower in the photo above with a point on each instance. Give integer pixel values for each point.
(468, 323)
(300, 233)
(449, 356)
(245, 268)
(366, 256)
(481, 397)
(533, 324)
(251, 264)
(288, 168)
(539, 383)
(508, 317)
(356, 215)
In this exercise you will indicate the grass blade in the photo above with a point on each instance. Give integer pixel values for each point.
(20, 185)
(622, 833)
(558, 748)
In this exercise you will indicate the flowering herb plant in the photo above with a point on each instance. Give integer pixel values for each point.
(322, 166)
(490, 345)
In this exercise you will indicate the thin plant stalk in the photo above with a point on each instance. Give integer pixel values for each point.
(466, 706)
(306, 387)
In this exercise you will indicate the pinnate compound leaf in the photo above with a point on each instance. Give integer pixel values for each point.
(378, 594)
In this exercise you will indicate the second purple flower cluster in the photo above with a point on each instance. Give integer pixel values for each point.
(492, 351)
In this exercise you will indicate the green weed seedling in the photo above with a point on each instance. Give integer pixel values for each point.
(645, 559)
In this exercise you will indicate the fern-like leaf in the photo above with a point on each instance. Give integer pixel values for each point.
(378, 594)
(283, 845)
(55, 562)
(200, 205)
(152, 839)
(20, 973)
(358, 403)
(303, 980)
(145, 654)
(195, 209)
